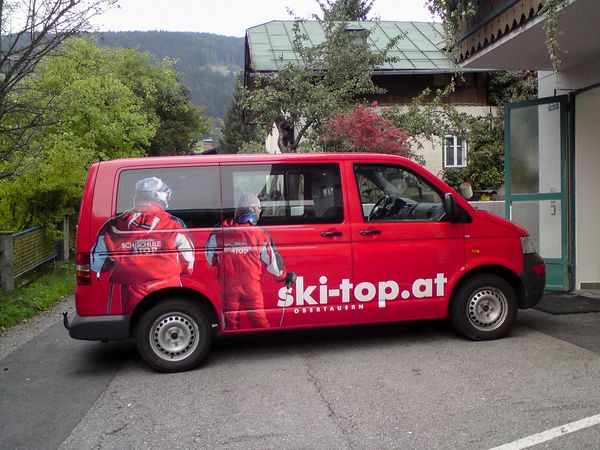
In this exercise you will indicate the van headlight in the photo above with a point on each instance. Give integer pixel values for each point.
(527, 244)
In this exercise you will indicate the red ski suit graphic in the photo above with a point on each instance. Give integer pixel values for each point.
(247, 250)
(146, 248)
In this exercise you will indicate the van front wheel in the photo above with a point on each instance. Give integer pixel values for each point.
(484, 308)
(173, 336)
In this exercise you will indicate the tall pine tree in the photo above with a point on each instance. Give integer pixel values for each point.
(235, 132)
(346, 9)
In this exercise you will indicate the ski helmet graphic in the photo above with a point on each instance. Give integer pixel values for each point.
(243, 212)
(153, 189)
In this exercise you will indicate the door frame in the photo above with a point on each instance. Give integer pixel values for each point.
(560, 272)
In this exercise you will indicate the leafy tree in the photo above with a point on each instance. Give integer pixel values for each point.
(346, 9)
(512, 86)
(236, 132)
(163, 96)
(364, 130)
(104, 104)
(42, 25)
(486, 155)
(431, 117)
(330, 77)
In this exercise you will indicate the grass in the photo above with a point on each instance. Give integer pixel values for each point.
(56, 282)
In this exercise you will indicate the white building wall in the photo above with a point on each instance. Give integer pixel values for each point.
(587, 164)
(271, 141)
(587, 187)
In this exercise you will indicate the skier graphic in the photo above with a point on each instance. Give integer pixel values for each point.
(247, 251)
(144, 248)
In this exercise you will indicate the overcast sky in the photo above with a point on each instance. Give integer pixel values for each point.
(233, 17)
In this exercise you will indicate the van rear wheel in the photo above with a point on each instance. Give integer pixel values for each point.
(173, 336)
(484, 308)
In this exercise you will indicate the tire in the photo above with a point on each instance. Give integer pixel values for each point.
(173, 336)
(484, 308)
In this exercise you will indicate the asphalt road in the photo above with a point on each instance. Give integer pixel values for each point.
(414, 385)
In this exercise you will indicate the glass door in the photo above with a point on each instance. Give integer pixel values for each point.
(535, 144)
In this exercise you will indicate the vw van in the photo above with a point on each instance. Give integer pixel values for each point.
(175, 251)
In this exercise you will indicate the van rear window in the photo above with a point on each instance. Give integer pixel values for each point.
(194, 197)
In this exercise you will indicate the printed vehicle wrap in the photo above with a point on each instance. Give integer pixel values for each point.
(349, 267)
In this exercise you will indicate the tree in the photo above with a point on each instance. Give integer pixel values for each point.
(429, 116)
(236, 132)
(104, 106)
(329, 77)
(155, 83)
(346, 9)
(364, 130)
(512, 86)
(42, 26)
(486, 134)
(486, 155)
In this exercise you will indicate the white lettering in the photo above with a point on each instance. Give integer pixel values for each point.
(388, 290)
(422, 288)
(304, 295)
(345, 287)
(439, 281)
(323, 290)
(365, 291)
(361, 295)
(285, 299)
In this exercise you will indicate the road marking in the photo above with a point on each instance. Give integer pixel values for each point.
(551, 434)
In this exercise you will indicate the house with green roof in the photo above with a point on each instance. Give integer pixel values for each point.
(420, 62)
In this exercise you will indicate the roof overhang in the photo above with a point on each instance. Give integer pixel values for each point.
(524, 48)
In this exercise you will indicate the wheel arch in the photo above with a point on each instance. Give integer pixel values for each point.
(175, 292)
(508, 275)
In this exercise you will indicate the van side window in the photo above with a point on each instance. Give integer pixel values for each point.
(393, 194)
(195, 196)
(289, 193)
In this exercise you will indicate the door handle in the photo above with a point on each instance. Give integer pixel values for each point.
(370, 232)
(331, 233)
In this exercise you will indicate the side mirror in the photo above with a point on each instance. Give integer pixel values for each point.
(452, 211)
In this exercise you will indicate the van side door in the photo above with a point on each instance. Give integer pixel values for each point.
(302, 228)
(405, 252)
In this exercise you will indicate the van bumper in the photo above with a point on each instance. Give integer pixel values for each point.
(533, 280)
(98, 328)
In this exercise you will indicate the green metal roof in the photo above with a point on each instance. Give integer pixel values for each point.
(420, 50)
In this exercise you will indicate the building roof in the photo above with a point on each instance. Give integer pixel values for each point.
(269, 46)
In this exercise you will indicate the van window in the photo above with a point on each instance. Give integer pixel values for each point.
(289, 193)
(195, 197)
(393, 194)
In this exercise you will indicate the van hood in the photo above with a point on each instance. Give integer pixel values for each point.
(499, 223)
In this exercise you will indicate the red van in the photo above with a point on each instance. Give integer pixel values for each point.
(175, 250)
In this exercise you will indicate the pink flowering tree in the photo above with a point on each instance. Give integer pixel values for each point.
(364, 130)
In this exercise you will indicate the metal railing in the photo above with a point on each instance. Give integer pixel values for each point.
(27, 250)
(494, 206)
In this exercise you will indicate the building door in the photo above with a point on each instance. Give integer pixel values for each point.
(536, 176)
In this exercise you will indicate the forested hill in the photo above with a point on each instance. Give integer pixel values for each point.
(207, 63)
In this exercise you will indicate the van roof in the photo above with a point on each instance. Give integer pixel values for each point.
(191, 160)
